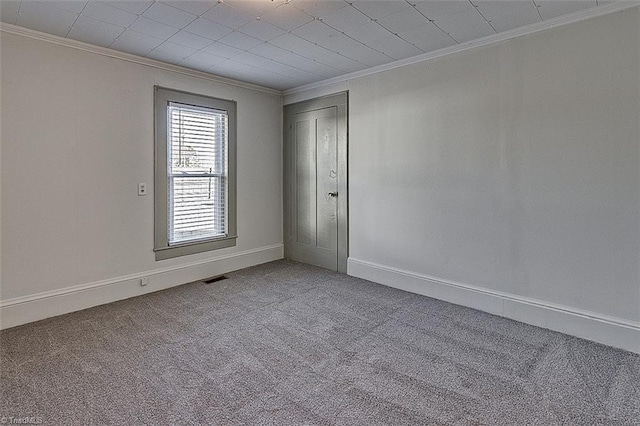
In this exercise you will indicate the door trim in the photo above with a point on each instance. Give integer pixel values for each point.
(340, 101)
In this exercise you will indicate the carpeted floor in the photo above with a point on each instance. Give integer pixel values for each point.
(290, 344)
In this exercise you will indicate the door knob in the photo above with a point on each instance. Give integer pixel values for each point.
(332, 194)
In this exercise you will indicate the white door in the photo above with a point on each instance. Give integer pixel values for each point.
(315, 183)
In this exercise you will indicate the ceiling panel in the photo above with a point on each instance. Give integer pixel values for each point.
(261, 30)
(308, 50)
(228, 16)
(302, 47)
(551, 9)
(301, 77)
(240, 41)
(315, 31)
(395, 47)
(340, 62)
(507, 15)
(276, 82)
(287, 17)
(222, 50)
(194, 7)
(381, 8)
(72, 6)
(171, 52)
(249, 58)
(237, 70)
(319, 8)
(9, 11)
(366, 55)
(440, 8)
(168, 15)
(464, 25)
(96, 32)
(272, 66)
(152, 28)
(202, 61)
(427, 37)
(281, 43)
(346, 18)
(231, 67)
(43, 17)
(323, 70)
(207, 29)
(340, 43)
(368, 32)
(402, 20)
(136, 43)
(137, 6)
(185, 38)
(254, 8)
(278, 54)
(279, 81)
(109, 14)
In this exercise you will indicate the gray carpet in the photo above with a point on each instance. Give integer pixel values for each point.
(290, 344)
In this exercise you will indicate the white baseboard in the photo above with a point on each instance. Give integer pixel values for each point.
(599, 328)
(22, 310)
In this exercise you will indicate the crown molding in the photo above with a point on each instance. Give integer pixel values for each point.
(485, 41)
(74, 44)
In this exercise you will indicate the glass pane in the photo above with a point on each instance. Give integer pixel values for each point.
(197, 168)
(198, 208)
(197, 140)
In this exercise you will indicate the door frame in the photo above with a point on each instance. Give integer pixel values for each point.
(341, 102)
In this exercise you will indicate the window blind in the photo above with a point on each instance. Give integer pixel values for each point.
(197, 140)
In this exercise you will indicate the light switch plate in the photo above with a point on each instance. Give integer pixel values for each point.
(142, 189)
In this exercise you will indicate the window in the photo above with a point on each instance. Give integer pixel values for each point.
(195, 203)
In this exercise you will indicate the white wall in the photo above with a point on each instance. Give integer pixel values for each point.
(77, 137)
(507, 177)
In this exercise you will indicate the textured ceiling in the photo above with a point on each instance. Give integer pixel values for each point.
(280, 43)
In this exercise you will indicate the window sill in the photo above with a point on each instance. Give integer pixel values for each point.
(163, 253)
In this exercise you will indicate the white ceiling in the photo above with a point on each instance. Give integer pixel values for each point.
(281, 43)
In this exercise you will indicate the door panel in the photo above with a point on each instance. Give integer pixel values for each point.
(315, 183)
(326, 182)
(305, 164)
(313, 138)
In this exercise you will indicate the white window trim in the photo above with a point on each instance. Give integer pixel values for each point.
(162, 97)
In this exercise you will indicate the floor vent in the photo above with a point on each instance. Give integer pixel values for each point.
(214, 279)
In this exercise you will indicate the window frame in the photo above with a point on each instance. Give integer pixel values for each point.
(162, 97)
